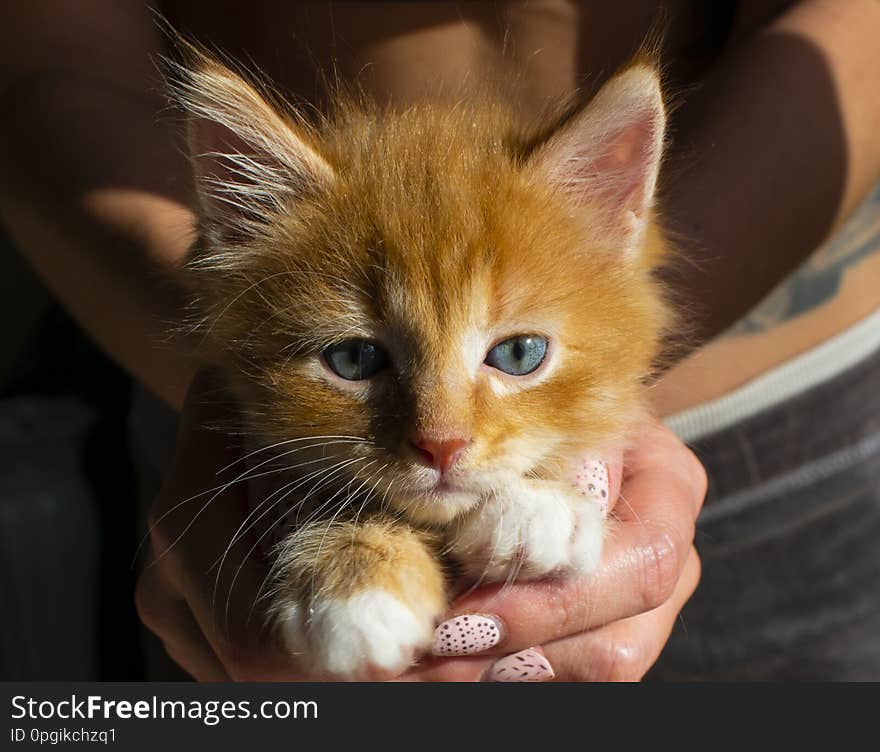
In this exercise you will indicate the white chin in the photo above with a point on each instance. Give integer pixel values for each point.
(436, 507)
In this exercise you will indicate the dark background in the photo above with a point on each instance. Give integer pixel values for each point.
(68, 524)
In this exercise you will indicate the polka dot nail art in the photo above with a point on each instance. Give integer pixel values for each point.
(591, 479)
(466, 634)
(525, 666)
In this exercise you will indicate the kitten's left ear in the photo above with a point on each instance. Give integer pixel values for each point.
(250, 157)
(607, 156)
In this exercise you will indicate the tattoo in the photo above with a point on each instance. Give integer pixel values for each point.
(818, 279)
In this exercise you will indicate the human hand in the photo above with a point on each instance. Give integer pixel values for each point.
(203, 611)
(610, 625)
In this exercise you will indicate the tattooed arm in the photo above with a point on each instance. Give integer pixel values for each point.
(820, 278)
(776, 149)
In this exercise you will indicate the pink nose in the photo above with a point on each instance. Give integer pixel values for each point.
(441, 455)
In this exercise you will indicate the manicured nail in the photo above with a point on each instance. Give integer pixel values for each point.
(466, 634)
(524, 666)
(591, 479)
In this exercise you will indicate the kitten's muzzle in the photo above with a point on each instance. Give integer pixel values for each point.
(440, 454)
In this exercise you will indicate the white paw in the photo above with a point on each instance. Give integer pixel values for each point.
(529, 532)
(372, 632)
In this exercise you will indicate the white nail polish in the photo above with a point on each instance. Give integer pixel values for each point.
(591, 479)
(466, 634)
(525, 666)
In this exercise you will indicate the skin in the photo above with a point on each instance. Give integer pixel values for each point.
(119, 202)
(103, 215)
(611, 626)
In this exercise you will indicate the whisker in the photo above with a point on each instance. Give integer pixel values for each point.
(353, 439)
(330, 524)
(245, 528)
(273, 568)
(248, 474)
(367, 498)
(292, 485)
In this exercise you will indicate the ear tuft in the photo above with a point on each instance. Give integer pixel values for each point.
(250, 158)
(607, 156)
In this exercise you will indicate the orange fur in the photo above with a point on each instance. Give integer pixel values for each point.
(433, 231)
(378, 552)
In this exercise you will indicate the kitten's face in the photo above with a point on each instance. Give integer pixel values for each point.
(447, 301)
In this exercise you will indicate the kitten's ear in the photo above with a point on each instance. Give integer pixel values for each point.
(607, 156)
(250, 160)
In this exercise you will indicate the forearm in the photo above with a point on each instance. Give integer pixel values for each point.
(772, 152)
(110, 284)
(93, 194)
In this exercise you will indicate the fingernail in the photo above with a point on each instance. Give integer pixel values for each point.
(525, 666)
(466, 634)
(591, 479)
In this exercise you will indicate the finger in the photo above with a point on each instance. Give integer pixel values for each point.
(447, 670)
(220, 579)
(599, 479)
(225, 600)
(658, 448)
(626, 649)
(622, 651)
(193, 654)
(648, 544)
(167, 615)
(614, 463)
(188, 648)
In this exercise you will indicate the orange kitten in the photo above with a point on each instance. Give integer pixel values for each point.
(429, 316)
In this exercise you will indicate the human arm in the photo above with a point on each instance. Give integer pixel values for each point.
(772, 151)
(93, 190)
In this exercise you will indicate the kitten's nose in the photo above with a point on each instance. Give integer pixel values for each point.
(439, 454)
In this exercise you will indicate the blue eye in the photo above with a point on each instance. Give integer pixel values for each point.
(355, 359)
(518, 355)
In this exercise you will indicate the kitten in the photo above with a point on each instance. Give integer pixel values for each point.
(427, 316)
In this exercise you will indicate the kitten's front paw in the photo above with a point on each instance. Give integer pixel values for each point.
(371, 634)
(529, 532)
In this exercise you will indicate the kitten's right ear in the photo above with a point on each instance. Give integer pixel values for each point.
(250, 160)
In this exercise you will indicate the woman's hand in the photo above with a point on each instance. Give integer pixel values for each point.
(609, 626)
(612, 625)
(206, 618)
